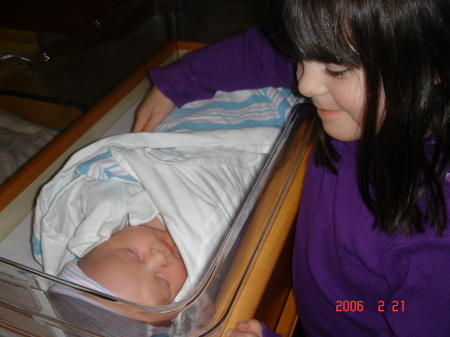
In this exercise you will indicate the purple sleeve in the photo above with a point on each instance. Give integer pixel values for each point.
(267, 333)
(245, 61)
(418, 277)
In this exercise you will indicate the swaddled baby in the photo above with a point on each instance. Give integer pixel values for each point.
(137, 261)
(104, 220)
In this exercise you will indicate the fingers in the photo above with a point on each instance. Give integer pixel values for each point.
(151, 124)
(144, 117)
(153, 110)
(251, 328)
(143, 121)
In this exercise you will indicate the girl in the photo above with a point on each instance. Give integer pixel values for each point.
(372, 247)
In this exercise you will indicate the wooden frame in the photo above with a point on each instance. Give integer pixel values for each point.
(266, 293)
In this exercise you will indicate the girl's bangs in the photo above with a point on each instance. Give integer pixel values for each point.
(316, 30)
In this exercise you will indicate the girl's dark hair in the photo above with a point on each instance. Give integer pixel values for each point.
(403, 46)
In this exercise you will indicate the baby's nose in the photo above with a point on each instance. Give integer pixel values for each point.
(157, 257)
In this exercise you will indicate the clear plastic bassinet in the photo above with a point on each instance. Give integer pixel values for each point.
(36, 304)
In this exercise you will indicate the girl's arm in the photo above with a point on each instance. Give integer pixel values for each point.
(245, 61)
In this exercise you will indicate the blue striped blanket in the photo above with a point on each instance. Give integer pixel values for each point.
(234, 110)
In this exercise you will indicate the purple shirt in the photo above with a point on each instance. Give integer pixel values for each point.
(349, 279)
(352, 280)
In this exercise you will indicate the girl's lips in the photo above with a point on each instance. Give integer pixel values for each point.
(327, 112)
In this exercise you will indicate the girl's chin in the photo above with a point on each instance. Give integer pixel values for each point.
(341, 135)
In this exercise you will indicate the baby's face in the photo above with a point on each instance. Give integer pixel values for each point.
(139, 263)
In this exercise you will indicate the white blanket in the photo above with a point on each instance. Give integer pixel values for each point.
(194, 181)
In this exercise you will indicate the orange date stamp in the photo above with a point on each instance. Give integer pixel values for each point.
(345, 306)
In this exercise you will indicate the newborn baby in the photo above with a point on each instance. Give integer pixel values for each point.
(139, 263)
(143, 215)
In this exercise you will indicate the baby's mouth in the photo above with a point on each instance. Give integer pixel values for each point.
(172, 248)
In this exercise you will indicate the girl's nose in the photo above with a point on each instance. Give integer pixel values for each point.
(311, 79)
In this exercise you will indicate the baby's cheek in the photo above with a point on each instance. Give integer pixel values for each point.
(179, 276)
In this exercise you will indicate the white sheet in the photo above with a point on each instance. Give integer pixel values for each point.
(195, 181)
(17, 245)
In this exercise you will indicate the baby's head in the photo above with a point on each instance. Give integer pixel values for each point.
(141, 264)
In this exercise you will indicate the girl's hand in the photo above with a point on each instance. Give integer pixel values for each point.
(152, 111)
(251, 328)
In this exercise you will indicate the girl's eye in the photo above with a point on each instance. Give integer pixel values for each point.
(335, 72)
